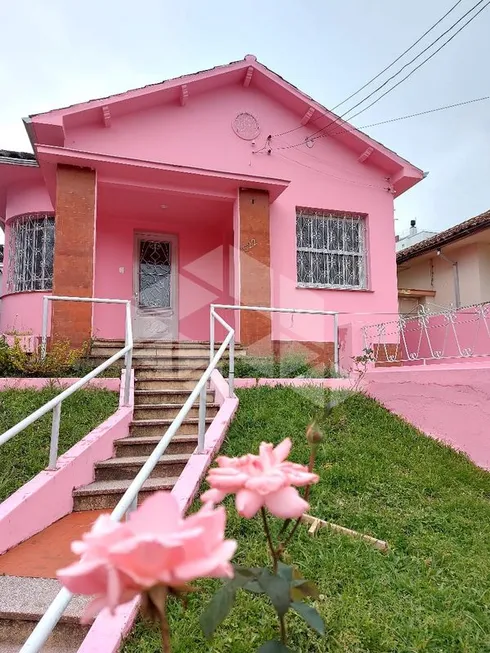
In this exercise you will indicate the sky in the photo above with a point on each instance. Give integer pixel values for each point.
(56, 53)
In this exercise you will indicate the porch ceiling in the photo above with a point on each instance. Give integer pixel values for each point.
(183, 180)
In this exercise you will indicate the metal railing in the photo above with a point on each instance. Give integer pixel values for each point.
(452, 333)
(129, 500)
(302, 311)
(55, 403)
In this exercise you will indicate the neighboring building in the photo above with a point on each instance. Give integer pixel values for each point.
(413, 237)
(450, 269)
(188, 192)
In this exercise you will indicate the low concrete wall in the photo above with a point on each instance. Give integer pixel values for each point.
(334, 384)
(48, 496)
(450, 403)
(62, 383)
(108, 632)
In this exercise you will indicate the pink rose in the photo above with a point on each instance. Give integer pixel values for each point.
(156, 546)
(264, 480)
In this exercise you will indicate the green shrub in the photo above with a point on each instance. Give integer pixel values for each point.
(289, 366)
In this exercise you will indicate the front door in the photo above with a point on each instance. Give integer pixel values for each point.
(155, 287)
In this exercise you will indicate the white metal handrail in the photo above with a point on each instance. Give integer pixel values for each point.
(55, 403)
(303, 311)
(129, 500)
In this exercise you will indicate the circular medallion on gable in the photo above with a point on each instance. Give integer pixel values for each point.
(246, 126)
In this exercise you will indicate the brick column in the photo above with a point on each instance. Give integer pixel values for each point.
(73, 272)
(255, 277)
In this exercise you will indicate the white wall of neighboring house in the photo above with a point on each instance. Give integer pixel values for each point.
(431, 272)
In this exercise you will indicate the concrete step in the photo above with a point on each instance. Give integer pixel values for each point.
(158, 382)
(169, 411)
(144, 445)
(159, 426)
(163, 364)
(123, 468)
(166, 397)
(104, 495)
(165, 372)
(24, 601)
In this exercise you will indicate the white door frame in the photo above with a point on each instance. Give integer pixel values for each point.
(172, 313)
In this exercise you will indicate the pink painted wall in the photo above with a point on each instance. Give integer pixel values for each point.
(450, 403)
(203, 261)
(31, 197)
(22, 311)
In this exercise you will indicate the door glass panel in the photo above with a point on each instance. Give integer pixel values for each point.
(154, 274)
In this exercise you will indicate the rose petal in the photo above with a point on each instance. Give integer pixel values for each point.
(248, 503)
(286, 503)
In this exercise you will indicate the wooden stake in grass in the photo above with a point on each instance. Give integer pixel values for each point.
(316, 523)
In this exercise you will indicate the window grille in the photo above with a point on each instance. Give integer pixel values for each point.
(31, 252)
(330, 250)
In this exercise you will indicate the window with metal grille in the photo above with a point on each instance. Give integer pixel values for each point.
(330, 250)
(30, 253)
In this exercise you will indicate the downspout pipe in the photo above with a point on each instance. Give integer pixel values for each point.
(457, 296)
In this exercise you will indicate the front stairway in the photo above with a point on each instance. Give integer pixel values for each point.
(165, 374)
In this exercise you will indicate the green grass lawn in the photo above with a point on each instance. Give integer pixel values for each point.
(27, 453)
(431, 592)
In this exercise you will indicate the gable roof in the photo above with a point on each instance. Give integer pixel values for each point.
(48, 128)
(457, 232)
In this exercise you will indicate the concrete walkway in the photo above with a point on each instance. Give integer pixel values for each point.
(447, 402)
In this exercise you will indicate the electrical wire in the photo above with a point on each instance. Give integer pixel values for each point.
(289, 131)
(346, 130)
(399, 57)
(313, 136)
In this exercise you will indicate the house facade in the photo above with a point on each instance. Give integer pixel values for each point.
(227, 186)
(451, 269)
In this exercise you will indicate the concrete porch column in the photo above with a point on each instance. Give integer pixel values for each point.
(255, 274)
(73, 272)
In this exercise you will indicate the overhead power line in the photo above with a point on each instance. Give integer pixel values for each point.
(318, 133)
(289, 131)
(336, 120)
(347, 130)
(398, 58)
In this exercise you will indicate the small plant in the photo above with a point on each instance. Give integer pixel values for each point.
(361, 365)
(58, 359)
(260, 482)
(6, 364)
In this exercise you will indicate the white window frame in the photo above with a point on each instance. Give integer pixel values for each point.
(344, 251)
(30, 267)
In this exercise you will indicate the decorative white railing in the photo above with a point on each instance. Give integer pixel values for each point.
(269, 309)
(55, 404)
(129, 500)
(453, 333)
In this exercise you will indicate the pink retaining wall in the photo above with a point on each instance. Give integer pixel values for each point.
(450, 403)
(108, 632)
(48, 496)
(334, 384)
(61, 383)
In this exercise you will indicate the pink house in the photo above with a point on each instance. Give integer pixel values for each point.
(225, 186)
